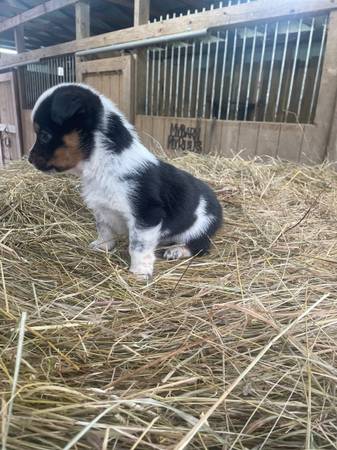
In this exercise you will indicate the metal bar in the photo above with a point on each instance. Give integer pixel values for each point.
(147, 86)
(53, 72)
(231, 74)
(47, 74)
(223, 75)
(191, 80)
(27, 92)
(69, 71)
(74, 67)
(215, 72)
(33, 84)
(68, 65)
(158, 80)
(241, 71)
(184, 81)
(270, 72)
(260, 70)
(318, 70)
(43, 77)
(171, 79)
(282, 71)
(153, 59)
(206, 79)
(294, 68)
(177, 82)
(165, 79)
(145, 42)
(306, 67)
(250, 73)
(70, 68)
(199, 77)
(38, 82)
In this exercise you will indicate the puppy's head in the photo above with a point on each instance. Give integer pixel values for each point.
(64, 120)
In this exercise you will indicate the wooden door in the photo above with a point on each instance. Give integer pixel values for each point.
(113, 77)
(10, 139)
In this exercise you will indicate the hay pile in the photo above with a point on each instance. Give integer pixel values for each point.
(236, 350)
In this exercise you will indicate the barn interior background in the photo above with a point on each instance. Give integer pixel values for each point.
(258, 77)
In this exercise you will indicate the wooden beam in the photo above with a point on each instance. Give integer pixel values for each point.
(82, 12)
(229, 16)
(19, 37)
(141, 14)
(33, 13)
(125, 3)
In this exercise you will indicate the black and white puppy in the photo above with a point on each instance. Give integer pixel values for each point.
(129, 190)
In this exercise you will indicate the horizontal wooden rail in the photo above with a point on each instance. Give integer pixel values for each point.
(33, 13)
(260, 10)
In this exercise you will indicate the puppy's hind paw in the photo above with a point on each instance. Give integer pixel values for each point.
(177, 252)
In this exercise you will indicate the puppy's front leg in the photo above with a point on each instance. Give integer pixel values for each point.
(142, 246)
(105, 240)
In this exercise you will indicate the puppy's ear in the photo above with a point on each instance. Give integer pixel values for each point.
(65, 105)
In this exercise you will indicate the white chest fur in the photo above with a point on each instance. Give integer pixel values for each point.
(105, 186)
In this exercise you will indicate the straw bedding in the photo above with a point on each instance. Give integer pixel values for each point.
(235, 350)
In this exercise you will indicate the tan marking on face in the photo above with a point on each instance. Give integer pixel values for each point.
(69, 155)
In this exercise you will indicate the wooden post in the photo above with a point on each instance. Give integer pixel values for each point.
(82, 12)
(19, 38)
(141, 12)
(141, 17)
(328, 88)
(332, 144)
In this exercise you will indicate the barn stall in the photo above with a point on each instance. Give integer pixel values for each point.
(234, 350)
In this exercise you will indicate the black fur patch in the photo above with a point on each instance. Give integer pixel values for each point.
(169, 195)
(118, 137)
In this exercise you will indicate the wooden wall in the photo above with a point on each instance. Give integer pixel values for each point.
(292, 142)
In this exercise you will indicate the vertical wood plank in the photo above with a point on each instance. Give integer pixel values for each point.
(332, 142)
(313, 149)
(28, 135)
(290, 142)
(14, 98)
(229, 138)
(141, 12)
(19, 38)
(247, 141)
(328, 87)
(82, 17)
(212, 139)
(146, 131)
(268, 139)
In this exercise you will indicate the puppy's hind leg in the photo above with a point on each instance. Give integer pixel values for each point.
(199, 246)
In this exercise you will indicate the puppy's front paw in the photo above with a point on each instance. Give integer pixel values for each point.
(142, 273)
(101, 246)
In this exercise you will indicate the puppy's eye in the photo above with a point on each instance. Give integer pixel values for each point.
(44, 137)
